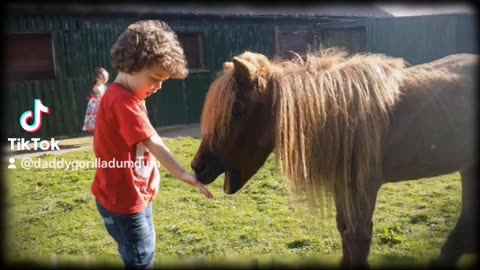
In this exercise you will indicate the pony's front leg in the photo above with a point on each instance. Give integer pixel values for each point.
(356, 241)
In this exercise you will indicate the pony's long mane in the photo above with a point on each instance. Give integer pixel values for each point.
(332, 113)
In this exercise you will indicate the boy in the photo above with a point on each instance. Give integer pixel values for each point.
(146, 54)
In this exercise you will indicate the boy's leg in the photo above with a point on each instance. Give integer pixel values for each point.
(139, 241)
(135, 238)
(149, 216)
(112, 229)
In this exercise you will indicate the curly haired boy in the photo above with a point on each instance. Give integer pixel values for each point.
(145, 55)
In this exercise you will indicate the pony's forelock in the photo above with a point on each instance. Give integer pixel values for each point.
(217, 110)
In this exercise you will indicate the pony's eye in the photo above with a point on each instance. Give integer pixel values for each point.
(237, 110)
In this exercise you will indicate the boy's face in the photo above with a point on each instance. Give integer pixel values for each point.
(148, 81)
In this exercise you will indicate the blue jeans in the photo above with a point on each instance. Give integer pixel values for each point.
(135, 236)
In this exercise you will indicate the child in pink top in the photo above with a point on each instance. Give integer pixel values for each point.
(101, 78)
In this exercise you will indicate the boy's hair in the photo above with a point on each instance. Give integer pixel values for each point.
(145, 43)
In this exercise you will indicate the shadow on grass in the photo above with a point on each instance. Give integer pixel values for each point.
(245, 262)
(187, 262)
(395, 261)
(468, 261)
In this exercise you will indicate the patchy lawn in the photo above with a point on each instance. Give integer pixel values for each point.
(52, 219)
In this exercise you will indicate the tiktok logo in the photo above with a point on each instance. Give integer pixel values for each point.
(38, 110)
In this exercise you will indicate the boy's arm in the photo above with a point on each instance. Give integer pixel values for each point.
(134, 127)
(158, 148)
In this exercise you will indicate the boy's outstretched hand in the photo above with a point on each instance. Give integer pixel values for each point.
(158, 148)
(192, 180)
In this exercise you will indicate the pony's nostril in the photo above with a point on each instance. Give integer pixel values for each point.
(200, 167)
(203, 172)
(200, 170)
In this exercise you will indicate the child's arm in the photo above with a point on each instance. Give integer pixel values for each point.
(164, 155)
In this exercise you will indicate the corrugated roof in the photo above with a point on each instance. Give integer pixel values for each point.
(311, 11)
(339, 10)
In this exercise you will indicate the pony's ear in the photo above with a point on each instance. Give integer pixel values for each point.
(243, 71)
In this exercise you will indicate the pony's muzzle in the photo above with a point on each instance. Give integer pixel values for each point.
(207, 168)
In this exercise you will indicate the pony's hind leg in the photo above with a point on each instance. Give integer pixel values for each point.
(356, 241)
(463, 237)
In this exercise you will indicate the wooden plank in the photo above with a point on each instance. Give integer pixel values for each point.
(65, 23)
(44, 131)
(48, 23)
(13, 114)
(29, 97)
(57, 23)
(65, 105)
(72, 23)
(29, 102)
(39, 92)
(56, 110)
(110, 41)
(72, 55)
(185, 100)
(31, 24)
(22, 105)
(196, 91)
(21, 24)
(59, 117)
(75, 112)
(106, 44)
(79, 100)
(55, 54)
(40, 25)
(82, 88)
(89, 48)
(80, 93)
(95, 56)
(97, 59)
(66, 55)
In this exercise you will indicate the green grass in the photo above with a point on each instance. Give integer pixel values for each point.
(53, 219)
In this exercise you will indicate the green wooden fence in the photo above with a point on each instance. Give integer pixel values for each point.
(82, 43)
(416, 39)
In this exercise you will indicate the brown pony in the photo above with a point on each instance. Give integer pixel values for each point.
(342, 126)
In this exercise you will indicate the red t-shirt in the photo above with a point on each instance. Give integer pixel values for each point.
(122, 125)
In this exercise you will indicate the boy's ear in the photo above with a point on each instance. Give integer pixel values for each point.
(243, 72)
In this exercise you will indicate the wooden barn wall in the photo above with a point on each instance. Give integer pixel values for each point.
(82, 43)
